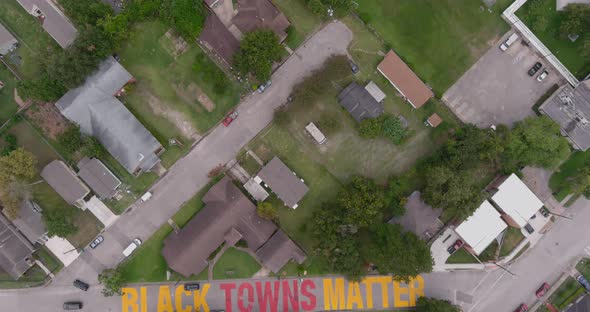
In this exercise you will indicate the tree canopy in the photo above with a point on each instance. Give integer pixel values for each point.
(259, 49)
(434, 305)
(59, 222)
(362, 202)
(186, 16)
(17, 169)
(267, 211)
(576, 19)
(113, 282)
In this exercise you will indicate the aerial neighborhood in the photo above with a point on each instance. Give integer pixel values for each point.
(295, 155)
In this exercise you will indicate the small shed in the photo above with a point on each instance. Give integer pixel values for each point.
(315, 133)
(434, 120)
(375, 91)
(255, 189)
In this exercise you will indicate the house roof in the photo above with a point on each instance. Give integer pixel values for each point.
(55, 22)
(517, 200)
(256, 190)
(64, 181)
(256, 14)
(99, 113)
(419, 218)
(216, 37)
(278, 250)
(404, 79)
(582, 305)
(100, 179)
(570, 108)
(283, 182)
(434, 120)
(7, 41)
(14, 250)
(226, 210)
(375, 91)
(480, 230)
(29, 221)
(359, 102)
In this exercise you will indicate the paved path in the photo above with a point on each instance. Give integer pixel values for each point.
(189, 174)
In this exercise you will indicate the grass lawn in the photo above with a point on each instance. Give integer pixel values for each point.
(461, 256)
(249, 164)
(34, 41)
(8, 106)
(512, 238)
(35, 276)
(559, 181)
(235, 264)
(30, 140)
(566, 293)
(48, 259)
(566, 51)
(303, 21)
(489, 254)
(584, 267)
(166, 97)
(438, 39)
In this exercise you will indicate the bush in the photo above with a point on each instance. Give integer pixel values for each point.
(393, 129)
(186, 16)
(371, 128)
(259, 49)
(71, 139)
(267, 211)
(11, 145)
(59, 222)
(212, 73)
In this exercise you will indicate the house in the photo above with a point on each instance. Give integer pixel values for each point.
(53, 20)
(7, 41)
(257, 14)
(570, 108)
(375, 91)
(517, 202)
(405, 81)
(228, 217)
(30, 223)
(16, 253)
(283, 182)
(65, 182)
(94, 107)
(420, 218)
(100, 179)
(434, 120)
(279, 250)
(219, 40)
(359, 102)
(481, 228)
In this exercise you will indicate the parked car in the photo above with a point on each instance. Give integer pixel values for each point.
(145, 197)
(545, 212)
(529, 228)
(72, 305)
(542, 290)
(264, 86)
(353, 67)
(458, 244)
(192, 286)
(132, 246)
(99, 239)
(584, 282)
(535, 69)
(504, 46)
(522, 308)
(231, 117)
(542, 76)
(82, 285)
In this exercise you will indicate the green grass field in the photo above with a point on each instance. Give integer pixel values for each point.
(566, 51)
(512, 238)
(461, 256)
(559, 181)
(438, 39)
(235, 264)
(8, 106)
(566, 293)
(584, 267)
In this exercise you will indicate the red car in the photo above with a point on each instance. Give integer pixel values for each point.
(542, 290)
(522, 308)
(458, 244)
(233, 115)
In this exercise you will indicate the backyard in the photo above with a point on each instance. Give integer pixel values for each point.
(8, 106)
(560, 179)
(566, 51)
(235, 264)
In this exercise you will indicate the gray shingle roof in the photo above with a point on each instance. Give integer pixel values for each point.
(278, 250)
(55, 23)
(100, 179)
(15, 250)
(99, 113)
(29, 221)
(7, 41)
(359, 102)
(283, 182)
(419, 218)
(64, 181)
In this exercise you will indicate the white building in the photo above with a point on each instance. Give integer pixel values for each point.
(480, 230)
(517, 201)
(315, 133)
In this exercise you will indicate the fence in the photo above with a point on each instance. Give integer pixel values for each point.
(510, 16)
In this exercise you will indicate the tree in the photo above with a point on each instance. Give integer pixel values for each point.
(362, 202)
(267, 211)
(393, 129)
(10, 144)
(113, 282)
(580, 182)
(396, 194)
(371, 128)
(42, 88)
(186, 16)
(576, 19)
(59, 222)
(85, 12)
(538, 15)
(434, 305)
(396, 252)
(259, 49)
(93, 148)
(17, 169)
(71, 139)
(469, 146)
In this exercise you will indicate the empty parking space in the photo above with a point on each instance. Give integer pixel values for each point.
(497, 89)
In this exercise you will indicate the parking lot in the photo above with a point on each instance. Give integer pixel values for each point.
(497, 89)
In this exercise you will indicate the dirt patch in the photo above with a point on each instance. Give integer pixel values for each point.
(192, 94)
(173, 44)
(175, 117)
(48, 118)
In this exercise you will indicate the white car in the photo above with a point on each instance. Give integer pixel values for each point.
(542, 76)
(132, 246)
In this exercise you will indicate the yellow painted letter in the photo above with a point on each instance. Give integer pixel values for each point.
(200, 298)
(384, 281)
(178, 299)
(143, 298)
(333, 295)
(416, 289)
(164, 300)
(354, 296)
(398, 290)
(129, 300)
(368, 281)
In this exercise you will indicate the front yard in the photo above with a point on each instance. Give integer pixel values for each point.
(235, 264)
(560, 179)
(512, 238)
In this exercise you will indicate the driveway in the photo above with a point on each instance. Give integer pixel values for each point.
(497, 89)
(189, 174)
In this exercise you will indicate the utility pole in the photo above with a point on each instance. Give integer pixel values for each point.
(505, 269)
(561, 216)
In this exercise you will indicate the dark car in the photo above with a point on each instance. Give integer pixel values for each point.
(353, 67)
(192, 286)
(542, 290)
(545, 212)
(584, 282)
(522, 308)
(82, 285)
(535, 69)
(529, 228)
(458, 244)
(72, 305)
(99, 239)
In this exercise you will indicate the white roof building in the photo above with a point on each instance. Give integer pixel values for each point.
(315, 133)
(375, 92)
(480, 230)
(516, 200)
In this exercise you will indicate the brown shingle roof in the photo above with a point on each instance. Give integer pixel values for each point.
(404, 79)
(256, 14)
(434, 120)
(283, 182)
(218, 39)
(278, 251)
